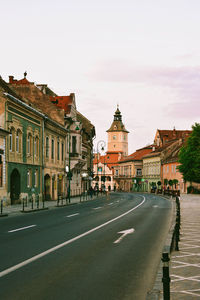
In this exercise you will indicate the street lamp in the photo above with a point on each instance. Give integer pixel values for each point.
(102, 144)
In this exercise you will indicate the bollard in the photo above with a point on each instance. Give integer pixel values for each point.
(1, 207)
(43, 201)
(61, 200)
(166, 278)
(58, 201)
(32, 202)
(37, 201)
(23, 204)
(177, 236)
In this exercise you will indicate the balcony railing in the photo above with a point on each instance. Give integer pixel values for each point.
(127, 176)
(74, 154)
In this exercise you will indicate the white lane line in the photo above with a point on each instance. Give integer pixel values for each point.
(69, 216)
(22, 228)
(97, 207)
(110, 203)
(28, 261)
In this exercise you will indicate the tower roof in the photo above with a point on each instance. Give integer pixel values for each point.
(117, 124)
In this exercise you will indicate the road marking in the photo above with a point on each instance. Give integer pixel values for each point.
(22, 228)
(38, 256)
(110, 203)
(97, 207)
(124, 233)
(155, 205)
(69, 216)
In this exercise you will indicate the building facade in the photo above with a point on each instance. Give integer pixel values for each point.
(128, 173)
(117, 147)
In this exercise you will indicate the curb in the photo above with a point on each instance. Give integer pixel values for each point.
(33, 210)
(3, 215)
(156, 292)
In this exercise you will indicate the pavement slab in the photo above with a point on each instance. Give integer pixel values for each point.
(185, 263)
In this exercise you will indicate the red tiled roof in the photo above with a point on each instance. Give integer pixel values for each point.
(110, 159)
(167, 135)
(138, 155)
(19, 82)
(29, 92)
(63, 102)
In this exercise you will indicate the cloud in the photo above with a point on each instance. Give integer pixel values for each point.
(183, 83)
(117, 71)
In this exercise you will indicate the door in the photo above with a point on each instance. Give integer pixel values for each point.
(15, 186)
(47, 187)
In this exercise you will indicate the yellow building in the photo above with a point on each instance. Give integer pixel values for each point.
(128, 172)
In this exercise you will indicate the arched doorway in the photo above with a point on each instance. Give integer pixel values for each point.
(14, 186)
(47, 187)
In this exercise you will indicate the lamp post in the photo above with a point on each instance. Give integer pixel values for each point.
(101, 143)
(84, 176)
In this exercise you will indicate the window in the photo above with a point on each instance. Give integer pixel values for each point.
(11, 139)
(139, 172)
(29, 178)
(62, 151)
(167, 169)
(29, 144)
(36, 178)
(114, 137)
(58, 149)
(52, 149)
(117, 172)
(73, 144)
(99, 169)
(36, 146)
(47, 147)
(1, 171)
(172, 169)
(175, 169)
(124, 137)
(17, 141)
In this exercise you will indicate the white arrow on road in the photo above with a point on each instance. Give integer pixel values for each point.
(124, 233)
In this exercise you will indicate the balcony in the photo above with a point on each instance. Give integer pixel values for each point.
(74, 154)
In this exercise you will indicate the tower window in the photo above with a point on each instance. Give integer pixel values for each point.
(114, 137)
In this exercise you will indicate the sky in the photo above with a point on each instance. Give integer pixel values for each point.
(143, 55)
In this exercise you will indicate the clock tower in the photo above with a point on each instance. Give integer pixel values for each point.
(118, 135)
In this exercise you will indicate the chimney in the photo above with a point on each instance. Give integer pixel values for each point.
(174, 132)
(11, 79)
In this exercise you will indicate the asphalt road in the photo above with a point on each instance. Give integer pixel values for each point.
(100, 249)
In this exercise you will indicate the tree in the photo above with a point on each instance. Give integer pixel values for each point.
(175, 182)
(189, 156)
(170, 182)
(165, 181)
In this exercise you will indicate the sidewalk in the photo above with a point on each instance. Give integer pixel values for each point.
(18, 208)
(185, 263)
